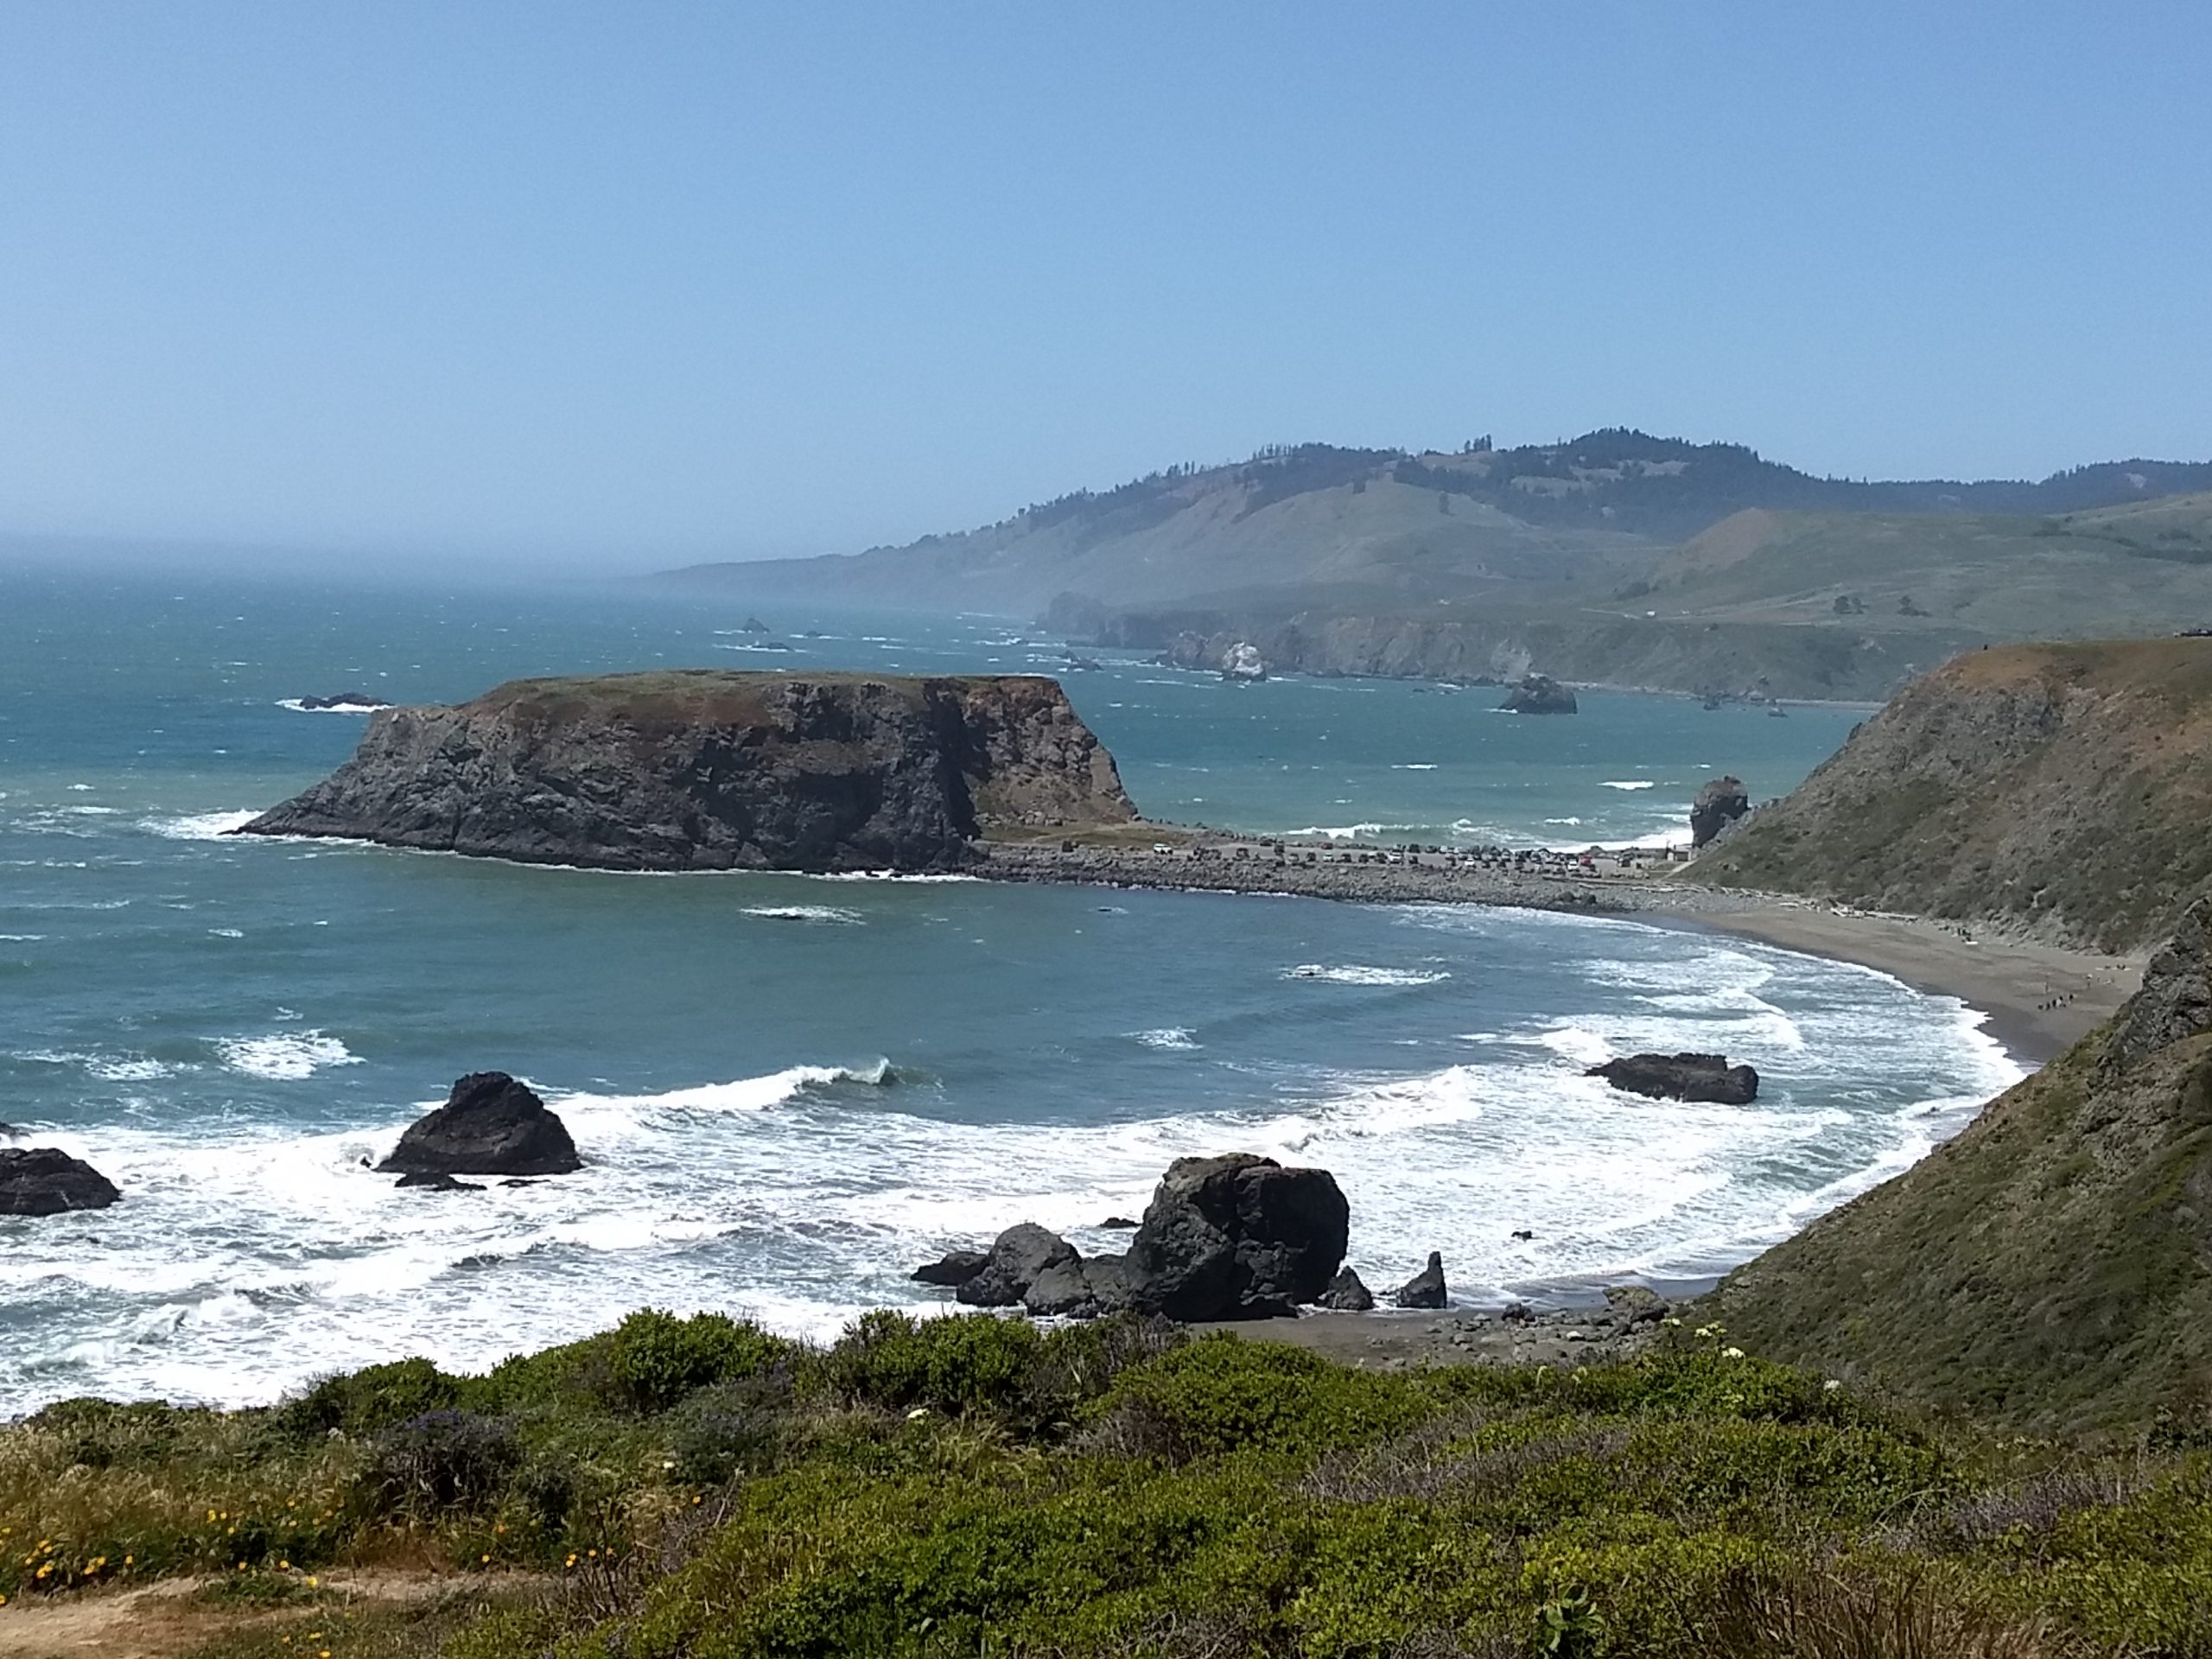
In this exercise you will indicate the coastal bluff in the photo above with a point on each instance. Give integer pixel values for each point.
(703, 769)
(2056, 791)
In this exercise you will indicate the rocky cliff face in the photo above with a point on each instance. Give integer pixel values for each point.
(2060, 791)
(1727, 658)
(708, 770)
(2050, 1269)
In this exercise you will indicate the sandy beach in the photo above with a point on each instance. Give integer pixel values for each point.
(2040, 998)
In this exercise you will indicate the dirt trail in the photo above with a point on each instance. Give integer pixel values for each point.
(169, 1618)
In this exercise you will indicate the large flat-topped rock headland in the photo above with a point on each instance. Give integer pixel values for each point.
(706, 769)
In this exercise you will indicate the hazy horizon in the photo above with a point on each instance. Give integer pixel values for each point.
(554, 288)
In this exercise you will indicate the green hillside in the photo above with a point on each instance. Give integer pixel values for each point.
(2140, 568)
(2049, 1269)
(2058, 789)
(1360, 531)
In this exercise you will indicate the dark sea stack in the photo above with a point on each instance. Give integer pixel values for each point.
(1540, 694)
(1719, 803)
(1237, 1236)
(1426, 1288)
(708, 770)
(47, 1181)
(1346, 1294)
(1018, 1258)
(1707, 1077)
(950, 1270)
(345, 700)
(490, 1125)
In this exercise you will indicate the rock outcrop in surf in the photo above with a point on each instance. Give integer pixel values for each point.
(1233, 1238)
(703, 769)
(1237, 1237)
(47, 1181)
(490, 1125)
(1426, 1288)
(1540, 694)
(1707, 1077)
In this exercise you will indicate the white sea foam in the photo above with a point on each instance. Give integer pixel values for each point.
(1412, 765)
(109, 1068)
(299, 708)
(829, 913)
(1171, 1037)
(1356, 974)
(201, 826)
(1630, 783)
(881, 875)
(21, 938)
(288, 1057)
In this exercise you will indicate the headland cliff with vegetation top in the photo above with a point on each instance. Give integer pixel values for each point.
(2057, 791)
(706, 769)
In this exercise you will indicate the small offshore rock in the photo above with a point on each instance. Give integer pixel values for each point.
(47, 1182)
(1346, 1294)
(345, 700)
(439, 1183)
(1704, 1077)
(1017, 1259)
(1540, 694)
(1426, 1288)
(1119, 1224)
(951, 1270)
(490, 1125)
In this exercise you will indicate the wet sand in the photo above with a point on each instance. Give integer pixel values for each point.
(2040, 999)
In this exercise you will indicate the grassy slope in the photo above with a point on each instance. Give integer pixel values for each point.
(2145, 568)
(2043, 1271)
(692, 1488)
(2059, 788)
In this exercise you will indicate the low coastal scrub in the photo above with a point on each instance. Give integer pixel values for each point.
(698, 1488)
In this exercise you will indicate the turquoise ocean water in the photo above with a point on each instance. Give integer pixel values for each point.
(790, 1089)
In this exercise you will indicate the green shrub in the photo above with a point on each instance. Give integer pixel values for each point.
(728, 1428)
(1034, 1381)
(970, 1362)
(1221, 1394)
(101, 1434)
(655, 1359)
(366, 1402)
(439, 1461)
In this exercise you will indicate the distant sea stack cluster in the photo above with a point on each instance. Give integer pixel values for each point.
(711, 770)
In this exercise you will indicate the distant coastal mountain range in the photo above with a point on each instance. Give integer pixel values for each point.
(1616, 556)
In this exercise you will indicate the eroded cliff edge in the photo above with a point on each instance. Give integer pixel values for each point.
(2059, 790)
(708, 770)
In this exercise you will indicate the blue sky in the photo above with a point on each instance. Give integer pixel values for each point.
(637, 283)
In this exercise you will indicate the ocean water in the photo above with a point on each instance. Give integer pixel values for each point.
(790, 1089)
